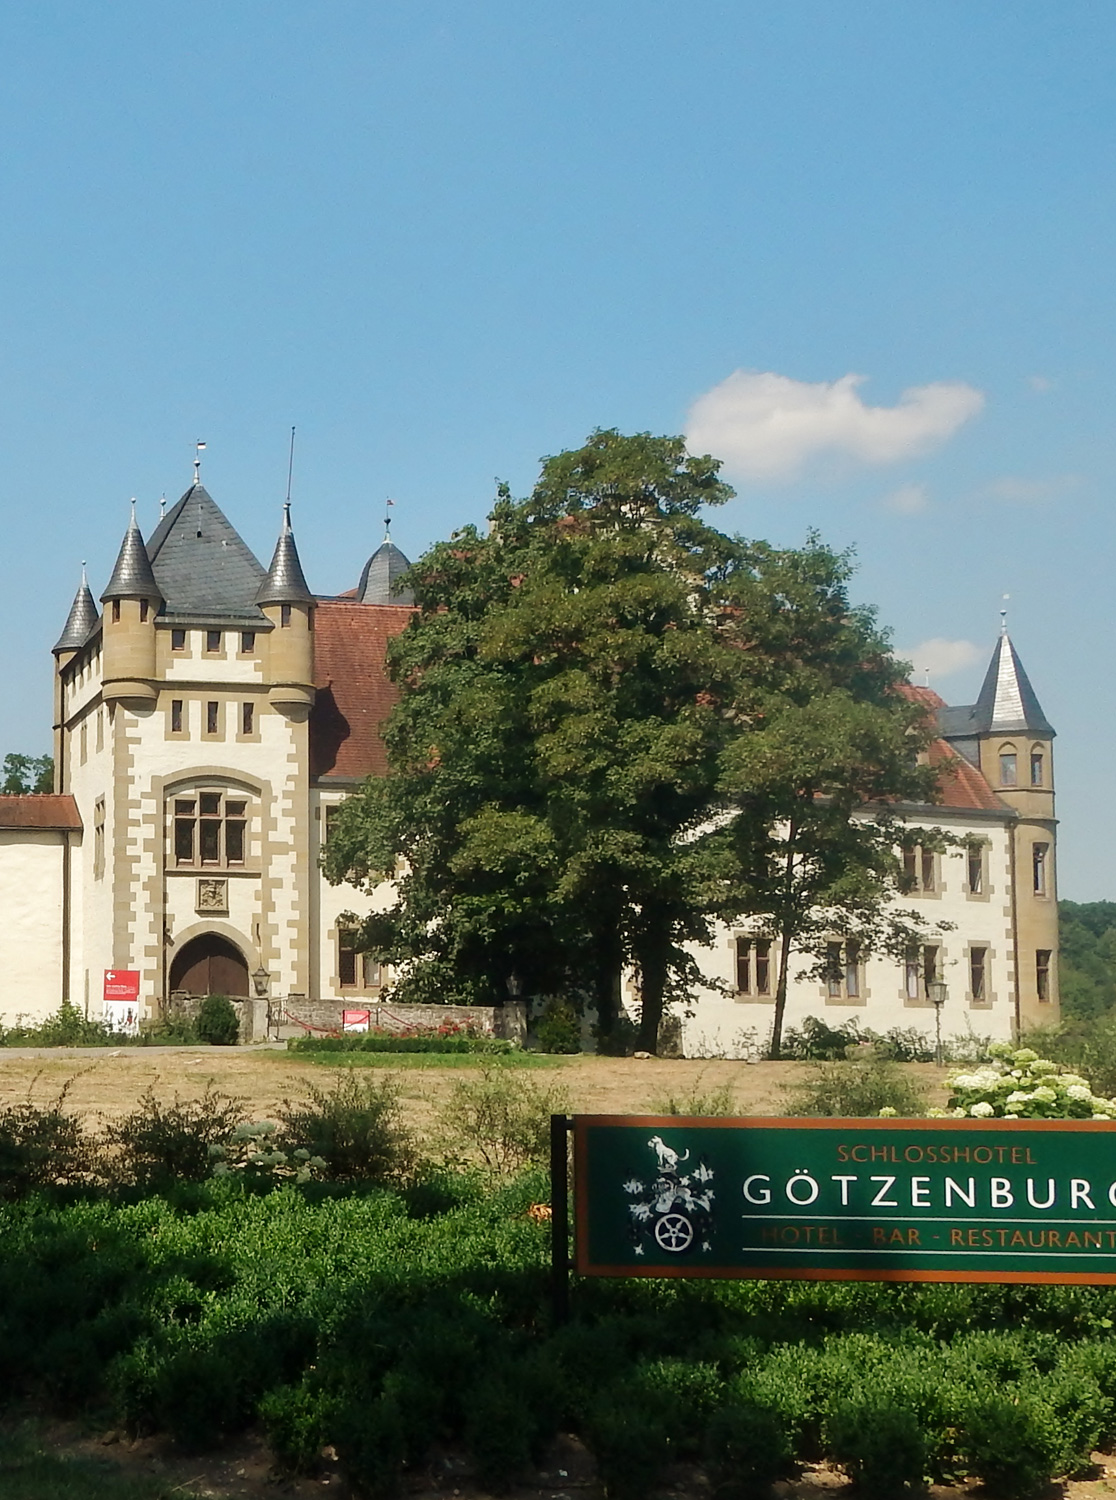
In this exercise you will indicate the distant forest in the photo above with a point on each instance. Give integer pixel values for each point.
(1087, 973)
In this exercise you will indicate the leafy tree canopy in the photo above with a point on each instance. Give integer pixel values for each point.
(606, 707)
(1087, 959)
(26, 773)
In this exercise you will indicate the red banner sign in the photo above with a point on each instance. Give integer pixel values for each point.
(122, 984)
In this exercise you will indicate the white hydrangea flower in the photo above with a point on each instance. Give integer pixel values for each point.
(1018, 1097)
(1024, 1056)
(1072, 1080)
(965, 1081)
(1044, 1095)
(981, 1110)
(1011, 1117)
(1043, 1065)
(959, 1113)
(1080, 1092)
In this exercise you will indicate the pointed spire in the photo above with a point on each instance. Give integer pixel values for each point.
(132, 577)
(285, 582)
(1007, 703)
(81, 619)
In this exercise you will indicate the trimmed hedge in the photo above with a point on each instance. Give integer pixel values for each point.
(394, 1041)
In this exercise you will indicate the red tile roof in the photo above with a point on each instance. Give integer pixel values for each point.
(962, 785)
(924, 695)
(39, 811)
(355, 695)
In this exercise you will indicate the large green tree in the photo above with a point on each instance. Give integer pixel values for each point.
(21, 774)
(566, 792)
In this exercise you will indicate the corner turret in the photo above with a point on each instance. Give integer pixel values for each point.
(80, 621)
(132, 600)
(286, 601)
(379, 582)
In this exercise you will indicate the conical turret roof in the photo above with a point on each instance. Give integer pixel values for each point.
(203, 566)
(132, 577)
(285, 582)
(379, 580)
(81, 619)
(1007, 703)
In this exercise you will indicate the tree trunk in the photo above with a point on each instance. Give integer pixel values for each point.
(653, 957)
(785, 936)
(608, 961)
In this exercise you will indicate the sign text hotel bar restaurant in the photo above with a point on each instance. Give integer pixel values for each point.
(879, 1200)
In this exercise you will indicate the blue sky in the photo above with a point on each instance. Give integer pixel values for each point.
(446, 239)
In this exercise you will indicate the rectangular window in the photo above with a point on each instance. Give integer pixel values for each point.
(927, 864)
(743, 956)
(912, 979)
(184, 821)
(99, 838)
(212, 717)
(247, 717)
(247, 642)
(833, 986)
(284, 615)
(176, 716)
(763, 966)
(330, 820)
(235, 825)
(178, 640)
(346, 959)
(373, 974)
(1042, 973)
(84, 740)
(1036, 768)
(1038, 867)
(212, 642)
(1009, 775)
(100, 729)
(852, 971)
(929, 968)
(978, 962)
(143, 611)
(975, 858)
(116, 611)
(910, 870)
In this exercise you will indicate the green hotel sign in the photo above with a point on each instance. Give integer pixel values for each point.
(879, 1200)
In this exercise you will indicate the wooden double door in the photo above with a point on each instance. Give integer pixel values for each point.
(210, 965)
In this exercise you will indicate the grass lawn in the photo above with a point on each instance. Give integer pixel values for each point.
(28, 1471)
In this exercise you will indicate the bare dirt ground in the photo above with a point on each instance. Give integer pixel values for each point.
(105, 1084)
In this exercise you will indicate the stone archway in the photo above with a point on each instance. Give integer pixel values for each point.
(210, 965)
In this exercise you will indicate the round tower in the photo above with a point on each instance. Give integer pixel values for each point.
(288, 604)
(132, 600)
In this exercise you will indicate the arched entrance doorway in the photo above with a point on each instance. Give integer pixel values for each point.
(209, 965)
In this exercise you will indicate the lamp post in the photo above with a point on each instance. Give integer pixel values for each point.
(937, 991)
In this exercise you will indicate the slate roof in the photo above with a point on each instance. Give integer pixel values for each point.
(39, 811)
(80, 621)
(354, 694)
(285, 582)
(132, 577)
(201, 563)
(1007, 703)
(379, 580)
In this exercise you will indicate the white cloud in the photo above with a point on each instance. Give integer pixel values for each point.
(939, 657)
(1019, 491)
(908, 499)
(767, 426)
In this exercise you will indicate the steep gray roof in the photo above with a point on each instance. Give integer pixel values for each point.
(81, 619)
(201, 563)
(285, 582)
(1007, 703)
(379, 581)
(132, 577)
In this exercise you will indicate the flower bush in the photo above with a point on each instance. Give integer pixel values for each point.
(1016, 1084)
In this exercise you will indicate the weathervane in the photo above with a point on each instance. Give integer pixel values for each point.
(199, 449)
(387, 520)
(1003, 616)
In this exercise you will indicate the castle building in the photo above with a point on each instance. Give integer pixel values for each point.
(989, 962)
(213, 714)
(207, 721)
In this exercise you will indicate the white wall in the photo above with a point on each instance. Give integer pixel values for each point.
(30, 922)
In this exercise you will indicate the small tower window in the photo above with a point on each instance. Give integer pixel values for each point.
(247, 642)
(116, 611)
(1038, 866)
(178, 640)
(212, 642)
(284, 615)
(1042, 973)
(1009, 768)
(1036, 768)
(212, 717)
(143, 611)
(975, 862)
(247, 717)
(176, 716)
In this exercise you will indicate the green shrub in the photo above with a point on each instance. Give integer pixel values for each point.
(355, 1128)
(1014, 1083)
(1012, 1442)
(217, 1022)
(502, 1117)
(452, 1041)
(499, 1432)
(298, 1422)
(158, 1144)
(747, 1448)
(42, 1146)
(630, 1445)
(879, 1442)
(856, 1088)
(817, 1041)
(67, 1027)
(718, 1101)
(558, 1029)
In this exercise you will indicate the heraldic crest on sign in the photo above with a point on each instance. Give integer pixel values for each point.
(674, 1207)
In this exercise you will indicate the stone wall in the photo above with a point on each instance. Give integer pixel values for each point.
(262, 1020)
